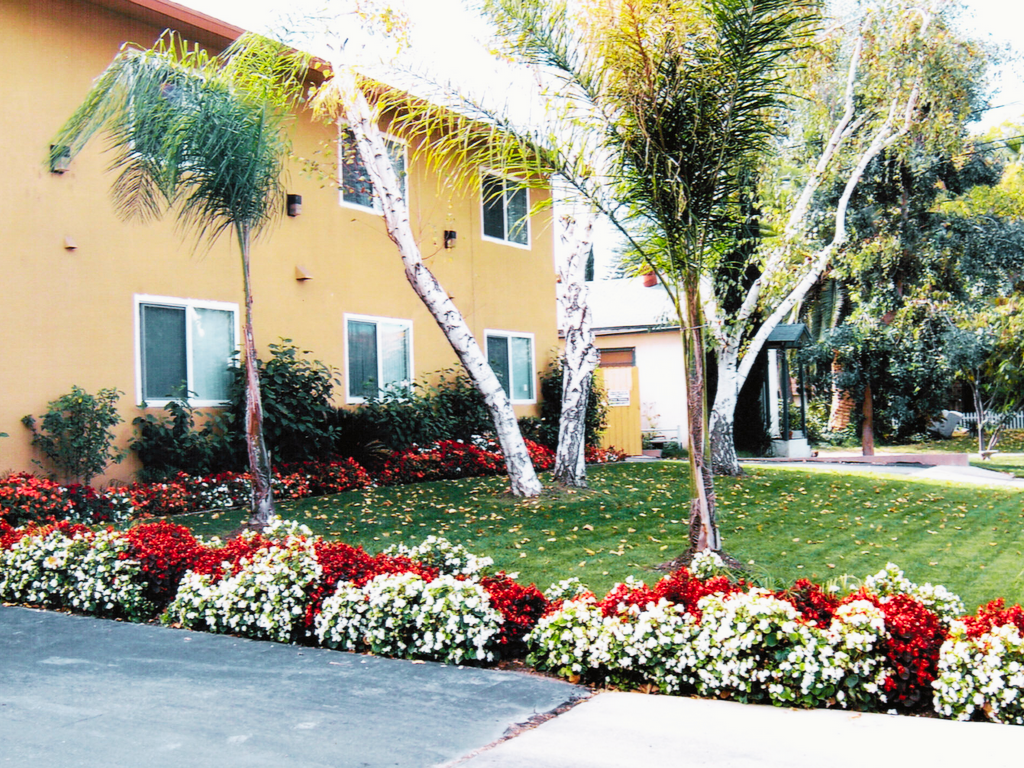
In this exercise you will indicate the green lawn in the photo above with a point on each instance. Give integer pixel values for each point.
(786, 523)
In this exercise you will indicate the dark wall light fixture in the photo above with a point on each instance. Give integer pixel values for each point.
(60, 159)
(294, 205)
(450, 237)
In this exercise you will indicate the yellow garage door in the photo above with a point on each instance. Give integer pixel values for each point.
(622, 385)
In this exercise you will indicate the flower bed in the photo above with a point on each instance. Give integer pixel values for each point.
(433, 601)
(887, 645)
(26, 498)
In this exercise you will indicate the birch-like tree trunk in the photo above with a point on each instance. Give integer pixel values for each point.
(343, 90)
(580, 356)
(729, 334)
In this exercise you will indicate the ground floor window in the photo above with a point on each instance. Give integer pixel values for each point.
(510, 356)
(185, 348)
(378, 354)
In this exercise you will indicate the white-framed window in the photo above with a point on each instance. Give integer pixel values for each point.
(511, 357)
(378, 354)
(184, 348)
(354, 186)
(506, 209)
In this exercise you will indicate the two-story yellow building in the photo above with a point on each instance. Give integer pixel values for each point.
(91, 300)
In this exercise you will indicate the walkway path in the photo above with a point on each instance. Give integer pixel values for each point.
(78, 691)
(968, 475)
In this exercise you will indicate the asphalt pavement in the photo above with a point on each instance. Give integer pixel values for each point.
(79, 691)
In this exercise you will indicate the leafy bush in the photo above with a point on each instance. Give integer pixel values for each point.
(69, 566)
(546, 430)
(982, 675)
(404, 615)
(673, 450)
(165, 551)
(25, 498)
(170, 444)
(457, 408)
(262, 596)
(296, 392)
(401, 417)
(890, 644)
(76, 433)
(444, 556)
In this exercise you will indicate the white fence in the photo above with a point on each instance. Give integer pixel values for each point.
(1013, 421)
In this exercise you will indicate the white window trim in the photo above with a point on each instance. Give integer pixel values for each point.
(488, 332)
(376, 320)
(376, 207)
(188, 305)
(487, 238)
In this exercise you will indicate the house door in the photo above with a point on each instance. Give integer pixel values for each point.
(622, 386)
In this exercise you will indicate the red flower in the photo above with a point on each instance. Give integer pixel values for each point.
(994, 615)
(913, 637)
(521, 607)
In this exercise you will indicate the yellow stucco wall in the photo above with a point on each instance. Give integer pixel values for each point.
(67, 316)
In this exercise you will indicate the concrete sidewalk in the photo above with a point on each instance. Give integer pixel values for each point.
(613, 730)
(78, 691)
(966, 475)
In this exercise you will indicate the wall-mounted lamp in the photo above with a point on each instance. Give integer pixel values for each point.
(69, 243)
(294, 205)
(302, 274)
(60, 159)
(450, 236)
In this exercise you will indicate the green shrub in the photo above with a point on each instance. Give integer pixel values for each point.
(457, 407)
(76, 434)
(546, 432)
(170, 443)
(298, 418)
(673, 450)
(418, 414)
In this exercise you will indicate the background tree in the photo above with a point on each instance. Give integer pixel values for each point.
(883, 78)
(670, 101)
(995, 375)
(203, 136)
(925, 252)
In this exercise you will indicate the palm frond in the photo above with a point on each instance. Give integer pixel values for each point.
(190, 131)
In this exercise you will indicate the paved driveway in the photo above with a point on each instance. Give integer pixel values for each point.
(77, 691)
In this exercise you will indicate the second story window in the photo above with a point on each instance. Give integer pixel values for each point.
(354, 182)
(379, 352)
(506, 210)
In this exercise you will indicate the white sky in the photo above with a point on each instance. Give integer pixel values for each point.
(445, 34)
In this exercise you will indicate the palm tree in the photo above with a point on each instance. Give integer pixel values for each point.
(204, 137)
(684, 94)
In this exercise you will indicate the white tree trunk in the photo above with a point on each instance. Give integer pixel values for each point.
(729, 335)
(721, 422)
(580, 356)
(373, 152)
